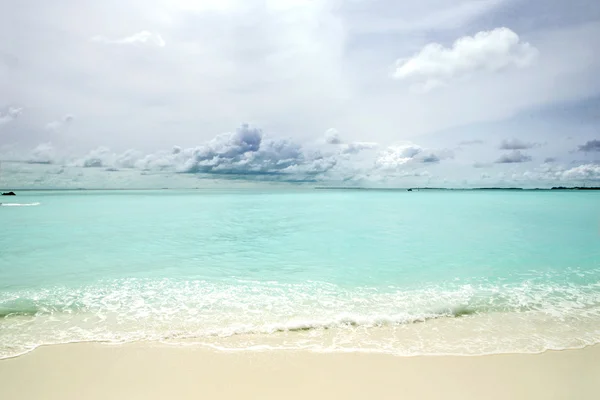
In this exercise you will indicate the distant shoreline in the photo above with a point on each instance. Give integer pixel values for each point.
(463, 189)
(316, 188)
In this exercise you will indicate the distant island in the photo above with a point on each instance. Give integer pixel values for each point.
(576, 188)
(483, 188)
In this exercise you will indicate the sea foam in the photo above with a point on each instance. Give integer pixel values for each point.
(19, 204)
(468, 319)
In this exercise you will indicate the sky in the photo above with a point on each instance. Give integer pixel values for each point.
(370, 93)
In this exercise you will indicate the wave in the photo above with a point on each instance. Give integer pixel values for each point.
(19, 204)
(25, 307)
(477, 336)
(240, 314)
(172, 299)
(341, 322)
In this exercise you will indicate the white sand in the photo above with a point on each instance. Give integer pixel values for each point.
(151, 371)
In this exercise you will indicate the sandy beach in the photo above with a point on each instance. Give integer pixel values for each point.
(154, 371)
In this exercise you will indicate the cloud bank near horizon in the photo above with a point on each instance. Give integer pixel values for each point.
(248, 154)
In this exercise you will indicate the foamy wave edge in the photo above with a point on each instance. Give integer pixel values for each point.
(310, 348)
(19, 204)
(267, 329)
(348, 321)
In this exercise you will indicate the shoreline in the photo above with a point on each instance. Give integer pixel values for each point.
(464, 336)
(151, 370)
(213, 347)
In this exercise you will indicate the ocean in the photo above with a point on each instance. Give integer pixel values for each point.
(407, 273)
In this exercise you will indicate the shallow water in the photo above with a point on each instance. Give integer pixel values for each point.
(329, 270)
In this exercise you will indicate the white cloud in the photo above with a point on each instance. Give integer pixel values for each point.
(43, 154)
(395, 156)
(583, 172)
(128, 159)
(357, 147)
(513, 157)
(399, 156)
(159, 161)
(248, 154)
(61, 124)
(11, 114)
(143, 37)
(247, 151)
(97, 158)
(332, 136)
(559, 175)
(489, 51)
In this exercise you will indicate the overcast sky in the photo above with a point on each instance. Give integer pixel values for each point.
(357, 92)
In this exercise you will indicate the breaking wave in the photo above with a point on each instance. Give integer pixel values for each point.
(459, 319)
(19, 204)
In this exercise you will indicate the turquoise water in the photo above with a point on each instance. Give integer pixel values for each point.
(326, 270)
